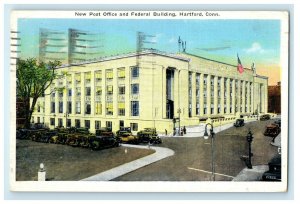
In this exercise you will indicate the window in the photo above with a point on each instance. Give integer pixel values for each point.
(60, 122)
(87, 76)
(87, 124)
(109, 89)
(121, 73)
(38, 120)
(78, 109)
(78, 91)
(98, 108)
(52, 121)
(109, 108)
(77, 123)
(98, 76)
(134, 88)
(78, 78)
(69, 78)
(69, 123)
(88, 108)
(69, 92)
(109, 125)
(109, 74)
(134, 108)
(53, 94)
(52, 107)
(97, 124)
(134, 72)
(121, 109)
(134, 126)
(60, 94)
(197, 109)
(38, 108)
(87, 91)
(98, 90)
(121, 124)
(121, 89)
(69, 106)
(61, 107)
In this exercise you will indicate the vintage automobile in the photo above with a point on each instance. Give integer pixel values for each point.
(239, 122)
(125, 136)
(274, 172)
(43, 135)
(149, 135)
(78, 137)
(101, 141)
(272, 130)
(265, 117)
(104, 132)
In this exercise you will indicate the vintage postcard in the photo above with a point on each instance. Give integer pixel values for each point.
(149, 101)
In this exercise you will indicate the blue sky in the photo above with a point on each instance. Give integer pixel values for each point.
(254, 40)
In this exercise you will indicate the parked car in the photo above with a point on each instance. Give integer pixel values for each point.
(101, 142)
(265, 117)
(272, 130)
(239, 122)
(104, 132)
(149, 135)
(126, 136)
(274, 172)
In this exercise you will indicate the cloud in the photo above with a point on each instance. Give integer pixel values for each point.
(255, 48)
(209, 49)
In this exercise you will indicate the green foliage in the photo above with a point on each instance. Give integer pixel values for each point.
(33, 78)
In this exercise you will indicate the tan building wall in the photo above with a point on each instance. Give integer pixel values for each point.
(197, 92)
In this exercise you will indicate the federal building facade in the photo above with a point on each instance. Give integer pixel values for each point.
(150, 89)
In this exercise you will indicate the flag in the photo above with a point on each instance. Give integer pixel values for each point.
(240, 67)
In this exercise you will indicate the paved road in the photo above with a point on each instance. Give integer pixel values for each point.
(192, 158)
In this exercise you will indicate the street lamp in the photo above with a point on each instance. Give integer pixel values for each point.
(212, 147)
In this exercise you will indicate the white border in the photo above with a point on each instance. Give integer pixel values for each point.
(199, 186)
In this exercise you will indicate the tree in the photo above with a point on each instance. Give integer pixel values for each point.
(33, 78)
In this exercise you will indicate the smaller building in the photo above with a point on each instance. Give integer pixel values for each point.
(274, 102)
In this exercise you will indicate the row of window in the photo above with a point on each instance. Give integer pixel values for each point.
(98, 90)
(134, 107)
(98, 75)
(87, 124)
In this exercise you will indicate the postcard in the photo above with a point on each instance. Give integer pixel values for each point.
(149, 101)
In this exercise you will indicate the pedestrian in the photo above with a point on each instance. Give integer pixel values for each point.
(166, 132)
(184, 130)
(181, 132)
(174, 131)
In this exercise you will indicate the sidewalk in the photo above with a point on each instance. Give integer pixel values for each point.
(198, 131)
(160, 153)
(255, 174)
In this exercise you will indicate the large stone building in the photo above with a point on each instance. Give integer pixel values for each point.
(150, 89)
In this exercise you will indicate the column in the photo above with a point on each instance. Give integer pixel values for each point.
(115, 93)
(92, 120)
(65, 103)
(238, 96)
(193, 94)
(201, 83)
(127, 93)
(227, 96)
(73, 99)
(164, 91)
(243, 96)
(208, 94)
(216, 97)
(233, 97)
(82, 83)
(222, 95)
(248, 97)
(176, 92)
